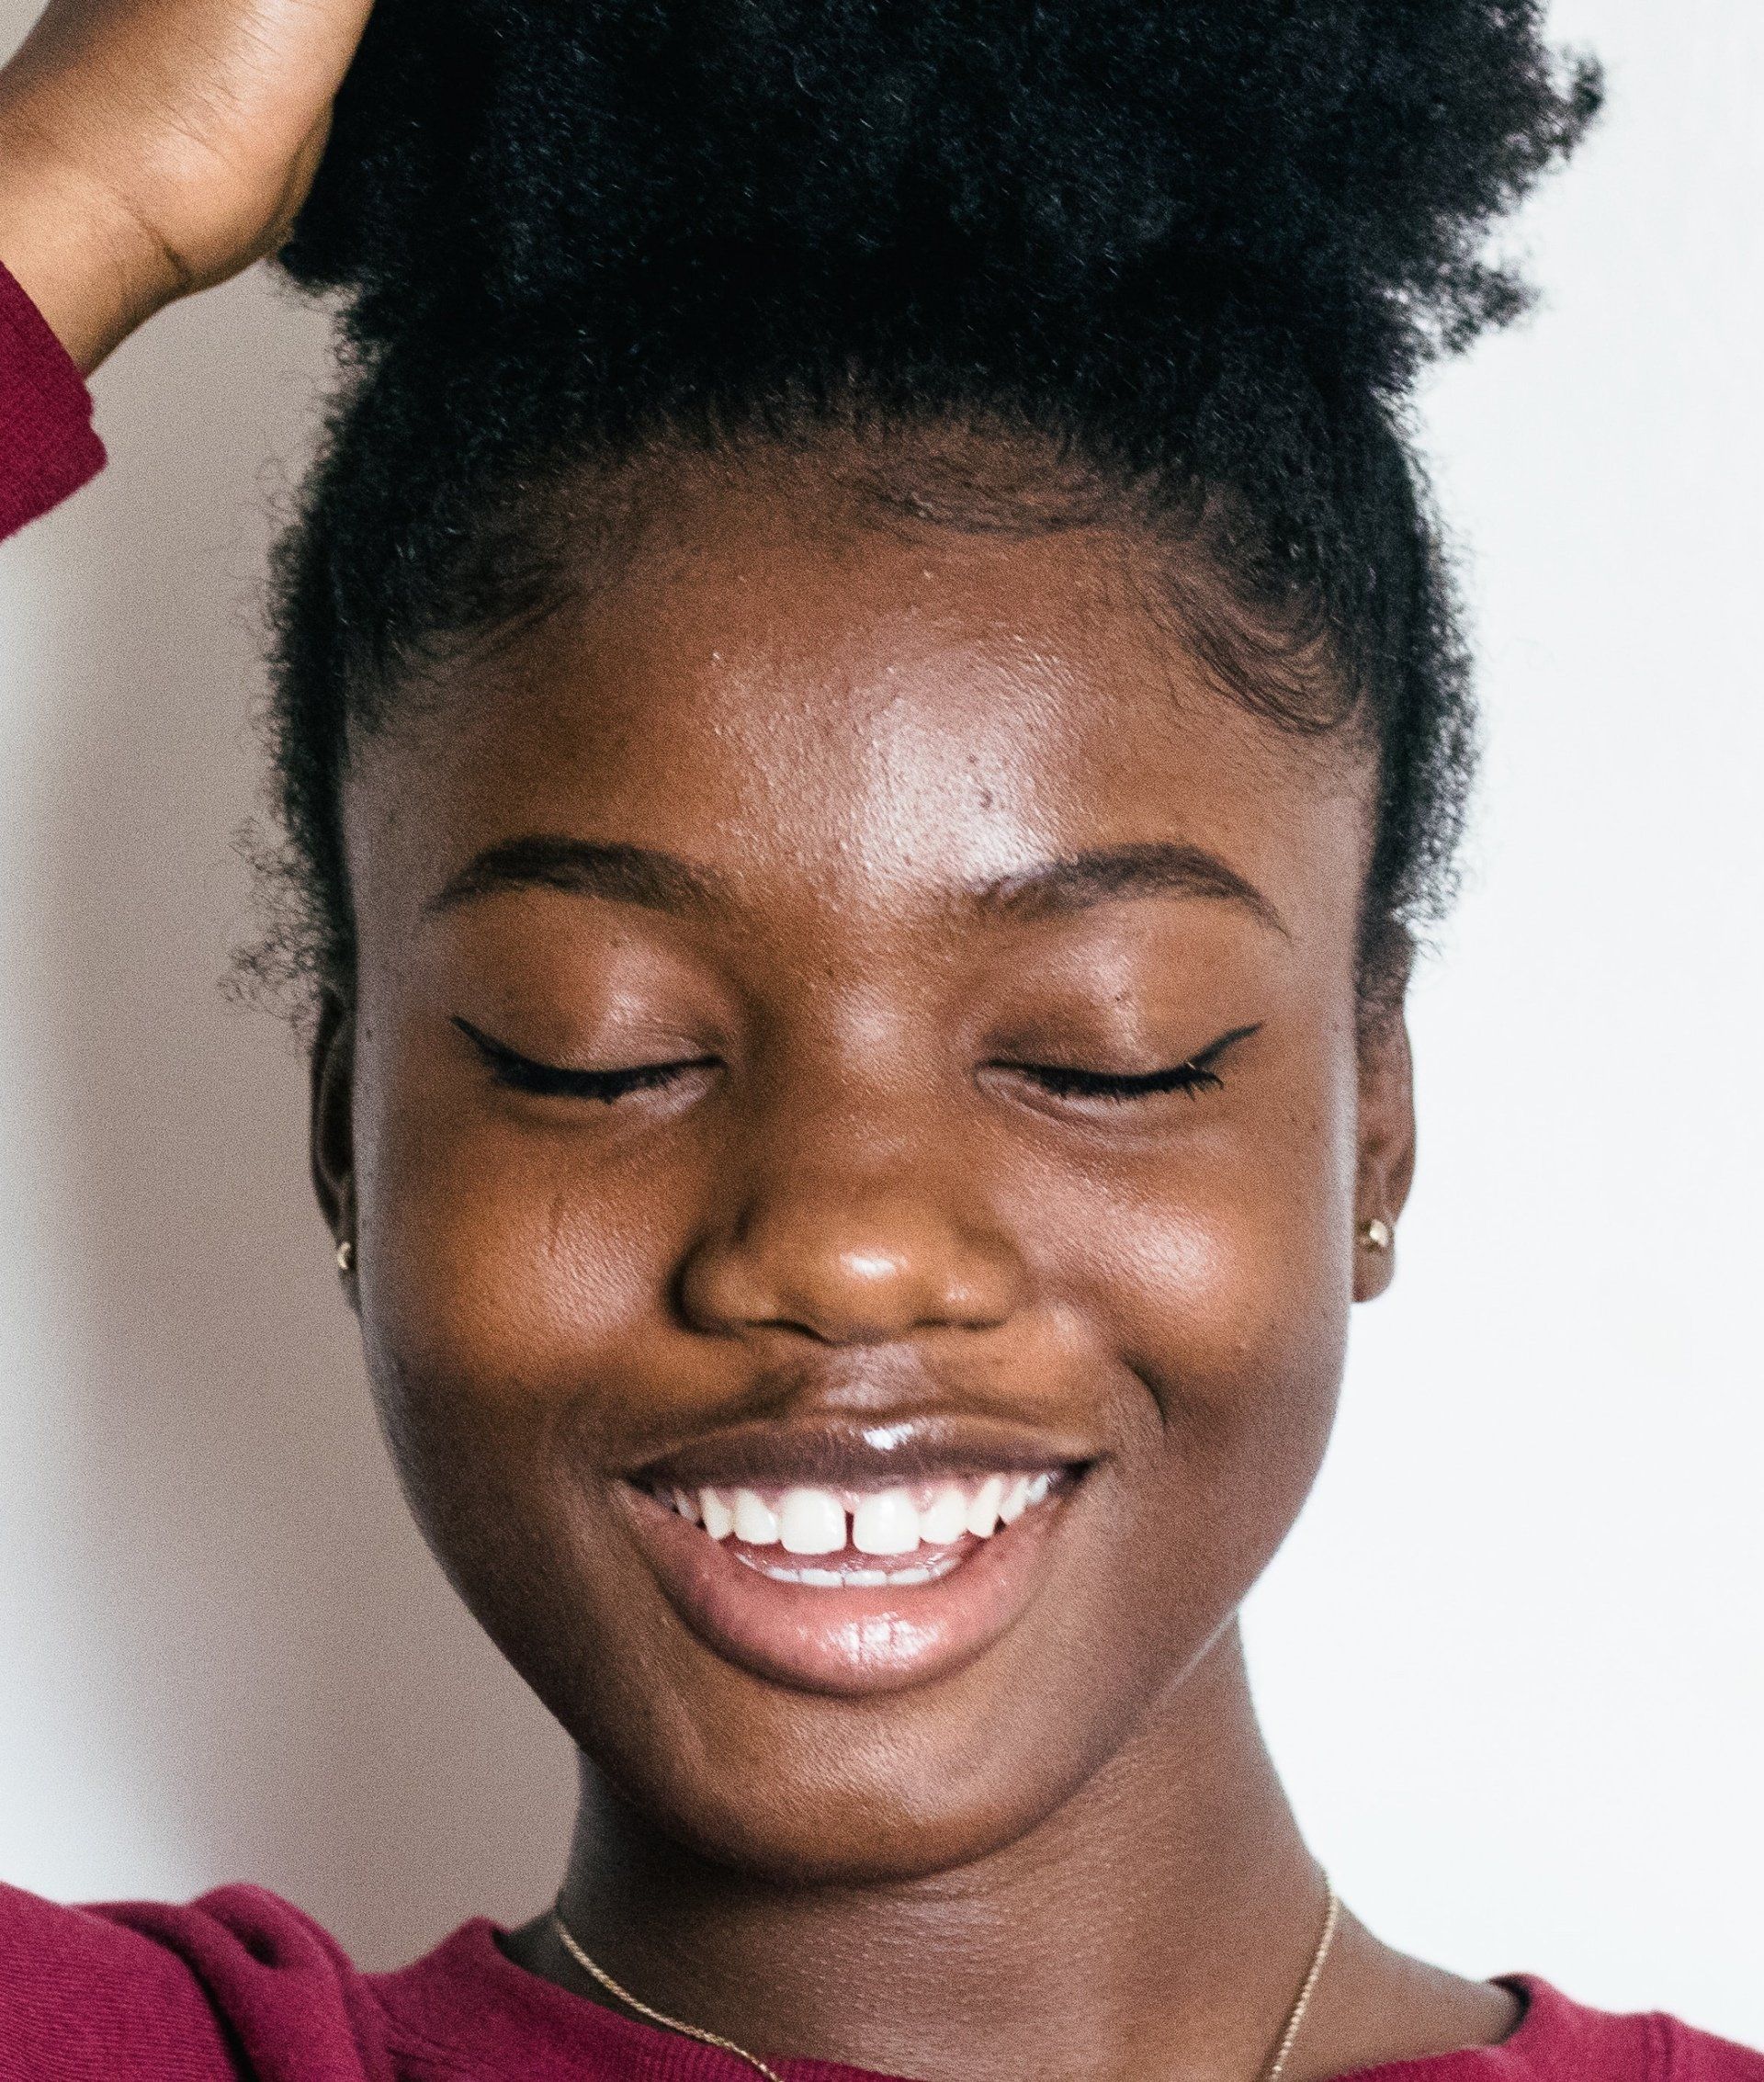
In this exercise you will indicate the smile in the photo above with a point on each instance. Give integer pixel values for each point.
(936, 1523)
(856, 1586)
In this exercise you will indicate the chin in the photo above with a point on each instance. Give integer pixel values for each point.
(908, 1793)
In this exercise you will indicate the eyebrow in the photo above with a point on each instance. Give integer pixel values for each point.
(1163, 868)
(586, 867)
(662, 881)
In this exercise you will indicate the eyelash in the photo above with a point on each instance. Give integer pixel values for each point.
(1196, 1076)
(1192, 1077)
(522, 1073)
(551, 1080)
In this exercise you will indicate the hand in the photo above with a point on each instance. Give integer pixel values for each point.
(151, 148)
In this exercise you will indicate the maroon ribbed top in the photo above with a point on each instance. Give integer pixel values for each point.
(46, 447)
(239, 1987)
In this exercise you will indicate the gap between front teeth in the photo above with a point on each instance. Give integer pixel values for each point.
(880, 1523)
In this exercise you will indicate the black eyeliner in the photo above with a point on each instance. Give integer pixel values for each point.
(1196, 1075)
(523, 1073)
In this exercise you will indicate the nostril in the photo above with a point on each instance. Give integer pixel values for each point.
(807, 1276)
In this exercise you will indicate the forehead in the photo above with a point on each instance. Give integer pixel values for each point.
(776, 664)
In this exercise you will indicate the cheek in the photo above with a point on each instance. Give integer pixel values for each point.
(1228, 1288)
(1223, 1271)
(510, 1302)
(490, 1253)
(511, 1298)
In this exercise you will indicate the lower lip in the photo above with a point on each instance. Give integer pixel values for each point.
(852, 1642)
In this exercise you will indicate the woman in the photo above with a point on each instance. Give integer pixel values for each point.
(867, 711)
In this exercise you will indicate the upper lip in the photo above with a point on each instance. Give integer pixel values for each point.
(866, 1451)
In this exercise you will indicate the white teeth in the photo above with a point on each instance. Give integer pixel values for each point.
(945, 1519)
(756, 1523)
(983, 1512)
(885, 1523)
(811, 1522)
(854, 1579)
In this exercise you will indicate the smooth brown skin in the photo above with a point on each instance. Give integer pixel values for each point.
(1070, 1858)
(152, 148)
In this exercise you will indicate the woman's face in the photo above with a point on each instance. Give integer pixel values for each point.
(878, 850)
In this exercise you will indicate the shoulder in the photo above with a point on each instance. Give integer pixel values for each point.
(137, 1991)
(82, 1993)
(1699, 2056)
(1561, 2038)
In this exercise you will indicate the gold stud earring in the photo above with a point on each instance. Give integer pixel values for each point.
(345, 1258)
(1375, 1235)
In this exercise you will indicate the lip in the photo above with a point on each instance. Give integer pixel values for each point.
(860, 1454)
(855, 1641)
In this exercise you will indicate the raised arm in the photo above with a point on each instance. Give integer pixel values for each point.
(152, 148)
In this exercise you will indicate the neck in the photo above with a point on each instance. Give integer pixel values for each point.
(1158, 1923)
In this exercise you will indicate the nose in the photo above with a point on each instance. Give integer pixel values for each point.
(849, 1256)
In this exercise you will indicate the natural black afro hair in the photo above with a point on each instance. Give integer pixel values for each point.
(1199, 249)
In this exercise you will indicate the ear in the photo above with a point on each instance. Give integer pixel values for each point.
(1385, 1166)
(332, 1124)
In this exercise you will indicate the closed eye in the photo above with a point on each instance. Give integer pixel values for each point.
(526, 1073)
(1197, 1075)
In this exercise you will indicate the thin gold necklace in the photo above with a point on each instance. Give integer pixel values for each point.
(656, 2016)
(1274, 2070)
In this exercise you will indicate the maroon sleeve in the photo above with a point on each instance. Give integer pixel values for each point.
(1695, 2056)
(84, 2000)
(48, 447)
(1559, 2040)
(235, 1986)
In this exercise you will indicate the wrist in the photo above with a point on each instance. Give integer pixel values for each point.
(92, 271)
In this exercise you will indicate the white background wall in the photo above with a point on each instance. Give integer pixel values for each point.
(1513, 1657)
